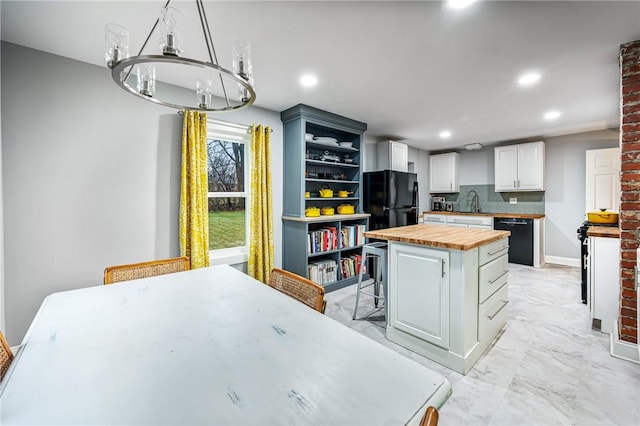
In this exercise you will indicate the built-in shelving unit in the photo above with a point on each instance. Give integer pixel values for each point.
(310, 166)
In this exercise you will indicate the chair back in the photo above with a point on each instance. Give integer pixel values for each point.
(300, 288)
(430, 417)
(118, 273)
(6, 356)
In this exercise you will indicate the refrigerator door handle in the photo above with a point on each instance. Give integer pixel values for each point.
(385, 208)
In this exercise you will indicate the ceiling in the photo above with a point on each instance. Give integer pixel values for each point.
(409, 69)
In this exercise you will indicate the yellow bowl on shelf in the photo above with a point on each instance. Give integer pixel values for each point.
(312, 212)
(346, 209)
(327, 211)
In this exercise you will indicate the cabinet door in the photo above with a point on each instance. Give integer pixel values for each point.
(530, 167)
(419, 292)
(399, 157)
(603, 179)
(506, 167)
(443, 173)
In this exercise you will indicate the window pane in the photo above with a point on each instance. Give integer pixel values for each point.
(227, 222)
(225, 165)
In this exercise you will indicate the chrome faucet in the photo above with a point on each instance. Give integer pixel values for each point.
(475, 201)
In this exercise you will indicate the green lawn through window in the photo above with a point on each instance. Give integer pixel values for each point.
(226, 229)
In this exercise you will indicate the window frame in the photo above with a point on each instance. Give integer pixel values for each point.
(235, 133)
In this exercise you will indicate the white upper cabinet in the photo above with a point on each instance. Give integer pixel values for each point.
(519, 167)
(603, 179)
(393, 155)
(443, 173)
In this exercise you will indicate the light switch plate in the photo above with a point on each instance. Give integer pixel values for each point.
(513, 200)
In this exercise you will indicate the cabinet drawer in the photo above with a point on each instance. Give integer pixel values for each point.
(479, 221)
(492, 276)
(493, 251)
(492, 314)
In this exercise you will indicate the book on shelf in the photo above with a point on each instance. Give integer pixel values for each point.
(321, 240)
(350, 266)
(323, 271)
(352, 235)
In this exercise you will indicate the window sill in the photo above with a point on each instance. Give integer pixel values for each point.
(230, 256)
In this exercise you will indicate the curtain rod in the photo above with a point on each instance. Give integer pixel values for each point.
(226, 123)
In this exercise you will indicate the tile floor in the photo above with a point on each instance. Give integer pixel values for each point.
(547, 367)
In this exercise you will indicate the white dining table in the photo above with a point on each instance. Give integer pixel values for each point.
(207, 346)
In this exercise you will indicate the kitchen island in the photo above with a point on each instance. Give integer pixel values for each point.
(447, 290)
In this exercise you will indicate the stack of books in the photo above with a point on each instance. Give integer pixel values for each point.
(352, 235)
(323, 271)
(350, 266)
(325, 239)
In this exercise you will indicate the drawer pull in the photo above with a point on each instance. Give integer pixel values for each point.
(504, 303)
(499, 276)
(491, 253)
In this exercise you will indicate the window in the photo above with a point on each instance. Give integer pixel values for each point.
(228, 159)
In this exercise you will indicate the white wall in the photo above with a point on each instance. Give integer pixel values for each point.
(476, 167)
(91, 177)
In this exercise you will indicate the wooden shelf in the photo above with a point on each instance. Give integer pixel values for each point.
(332, 181)
(332, 198)
(336, 147)
(331, 163)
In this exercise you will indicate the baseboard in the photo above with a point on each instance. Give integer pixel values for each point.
(621, 349)
(567, 261)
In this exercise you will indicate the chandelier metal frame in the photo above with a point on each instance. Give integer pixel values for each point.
(121, 70)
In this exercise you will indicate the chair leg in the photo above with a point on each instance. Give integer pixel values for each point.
(363, 261)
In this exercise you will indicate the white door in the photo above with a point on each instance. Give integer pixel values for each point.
(530, 167)
(419, 292)
(506, 167)
(603, 179)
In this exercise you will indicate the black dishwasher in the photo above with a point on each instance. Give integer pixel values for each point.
(520, 240)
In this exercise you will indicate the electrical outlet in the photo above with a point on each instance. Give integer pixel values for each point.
(513, 200)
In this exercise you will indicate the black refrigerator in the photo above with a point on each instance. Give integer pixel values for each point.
(391, 198)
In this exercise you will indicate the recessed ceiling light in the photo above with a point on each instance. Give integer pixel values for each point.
(528, 79)
(459, 4)
(551, 115)
(445, 134)
(308, 80)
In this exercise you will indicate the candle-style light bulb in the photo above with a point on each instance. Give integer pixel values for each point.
(241, 54)
(170, 36)
(116, 44)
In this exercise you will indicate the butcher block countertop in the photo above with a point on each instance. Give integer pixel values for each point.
(447, 237)
(506, 215)
(603, 231)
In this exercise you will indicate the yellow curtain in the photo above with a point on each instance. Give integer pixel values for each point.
(194, 211)
(261, 213)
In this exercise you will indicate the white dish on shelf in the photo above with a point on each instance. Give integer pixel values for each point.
(325, 140)
(308, 137)
(346, 144)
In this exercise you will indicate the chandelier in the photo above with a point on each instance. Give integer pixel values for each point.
(137, 74)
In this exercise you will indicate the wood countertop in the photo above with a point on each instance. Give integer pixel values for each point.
(603, 231)
(507, 215)
(447, 237)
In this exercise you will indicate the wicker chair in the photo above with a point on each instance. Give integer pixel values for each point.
(115, 274)
(300, 288)
(6, 356)
(430, 417)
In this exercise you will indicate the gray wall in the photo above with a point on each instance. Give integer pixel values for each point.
(1, 209)
(565, 182)
(91, 177)
(564, 198)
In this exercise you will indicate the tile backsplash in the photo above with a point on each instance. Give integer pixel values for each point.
(495, 202)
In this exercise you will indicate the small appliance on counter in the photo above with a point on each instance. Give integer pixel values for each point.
(437, 204)
(448, 206)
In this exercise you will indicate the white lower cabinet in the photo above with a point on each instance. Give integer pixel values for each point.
(604, 281)
(447, 305)
(420, 301)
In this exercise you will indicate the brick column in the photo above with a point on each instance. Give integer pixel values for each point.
(630, 187)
